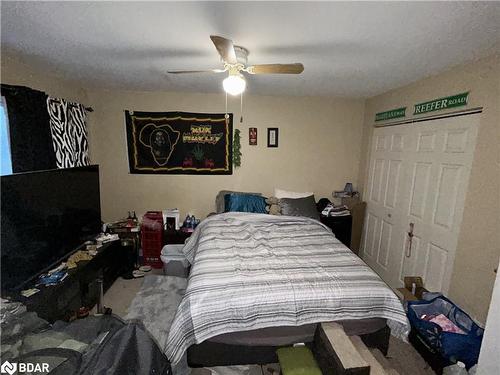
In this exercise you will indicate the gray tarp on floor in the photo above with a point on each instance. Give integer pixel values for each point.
(94, 345)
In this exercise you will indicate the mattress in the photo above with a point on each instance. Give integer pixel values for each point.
(256, 271)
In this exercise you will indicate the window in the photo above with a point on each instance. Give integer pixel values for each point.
(5, 158)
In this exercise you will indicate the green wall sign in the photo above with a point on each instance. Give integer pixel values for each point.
(442, 103)
(393, 113)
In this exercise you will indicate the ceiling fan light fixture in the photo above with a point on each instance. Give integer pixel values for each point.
(234, 84)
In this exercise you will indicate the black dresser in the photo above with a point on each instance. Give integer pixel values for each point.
(341, 226)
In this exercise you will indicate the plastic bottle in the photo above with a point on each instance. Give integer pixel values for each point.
(187, 222)
(456, 369)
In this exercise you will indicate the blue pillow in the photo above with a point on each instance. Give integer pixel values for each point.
(244, 203)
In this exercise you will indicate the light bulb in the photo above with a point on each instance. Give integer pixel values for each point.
(234, 84)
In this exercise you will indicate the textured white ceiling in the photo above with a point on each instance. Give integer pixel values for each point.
(354, 49)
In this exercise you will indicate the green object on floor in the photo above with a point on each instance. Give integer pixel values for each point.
(297, 361)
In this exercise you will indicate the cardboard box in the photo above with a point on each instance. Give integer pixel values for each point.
(405, 293)
(410, 280)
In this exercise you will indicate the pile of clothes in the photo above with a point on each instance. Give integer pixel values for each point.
(102, 344)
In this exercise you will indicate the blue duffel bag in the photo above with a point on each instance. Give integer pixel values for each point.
(452, 346)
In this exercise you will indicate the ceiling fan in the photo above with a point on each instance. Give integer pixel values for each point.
(235, 59)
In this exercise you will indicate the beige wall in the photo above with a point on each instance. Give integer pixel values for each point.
(319, 149)
(478, 249)
(17, 72)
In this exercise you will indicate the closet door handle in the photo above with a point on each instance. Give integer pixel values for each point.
(410, 239)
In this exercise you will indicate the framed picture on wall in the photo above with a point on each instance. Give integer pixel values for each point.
(272, 137)
(252, 136)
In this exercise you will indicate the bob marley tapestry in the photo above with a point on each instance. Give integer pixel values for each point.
(179, 143)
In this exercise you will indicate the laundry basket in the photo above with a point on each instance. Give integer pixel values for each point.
(452, 346)
(174, 261)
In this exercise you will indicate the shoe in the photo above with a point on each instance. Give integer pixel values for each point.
(82, 312)
(145, 268)
(137, 274)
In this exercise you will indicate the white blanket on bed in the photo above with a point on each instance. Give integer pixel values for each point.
(252, 271)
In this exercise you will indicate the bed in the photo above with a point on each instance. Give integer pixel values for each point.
(260, 281)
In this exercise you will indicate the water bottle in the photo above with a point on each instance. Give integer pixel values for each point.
(187, 222)
(456, 369)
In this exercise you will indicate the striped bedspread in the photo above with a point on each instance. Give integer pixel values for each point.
(252, 271)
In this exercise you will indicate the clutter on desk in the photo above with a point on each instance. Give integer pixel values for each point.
(59, 268)
(78, 256)
(91, 249)
(58, 274)
(171, 219)
(332, 210)
(347, 192)
(348, 197)
(128, 224)
(131, 219)
(52, 279)
(190, 223)
(29, 292)
(103, 238)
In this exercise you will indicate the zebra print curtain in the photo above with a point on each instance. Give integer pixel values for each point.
(69, 133)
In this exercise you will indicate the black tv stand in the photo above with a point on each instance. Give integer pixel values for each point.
(80, 287)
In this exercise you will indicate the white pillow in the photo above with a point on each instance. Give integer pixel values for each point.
(278, 193)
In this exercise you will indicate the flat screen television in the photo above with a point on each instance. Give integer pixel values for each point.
(45, 216)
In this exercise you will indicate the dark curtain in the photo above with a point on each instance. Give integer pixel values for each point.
(30, 137)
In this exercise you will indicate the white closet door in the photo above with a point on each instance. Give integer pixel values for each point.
(418, 174)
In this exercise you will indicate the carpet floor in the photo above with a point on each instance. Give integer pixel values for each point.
(138, 299)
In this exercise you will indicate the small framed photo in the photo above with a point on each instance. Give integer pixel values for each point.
(252, 136)
(272, 137)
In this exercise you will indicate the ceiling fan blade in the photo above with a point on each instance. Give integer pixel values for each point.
(196, 71)
(225, 48)
(296, 68)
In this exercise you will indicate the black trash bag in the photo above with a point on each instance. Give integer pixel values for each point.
(111, 346)
(128, 350)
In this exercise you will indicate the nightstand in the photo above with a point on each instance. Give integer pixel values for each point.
(341, 226)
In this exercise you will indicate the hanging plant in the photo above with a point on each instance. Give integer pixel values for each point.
(237, 148)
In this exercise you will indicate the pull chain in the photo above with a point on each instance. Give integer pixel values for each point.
(241, 108)
(226, 116)
(410, 240)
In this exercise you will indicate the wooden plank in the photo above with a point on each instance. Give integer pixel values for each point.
(381, 359)
(335, 353)
(378, 363)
